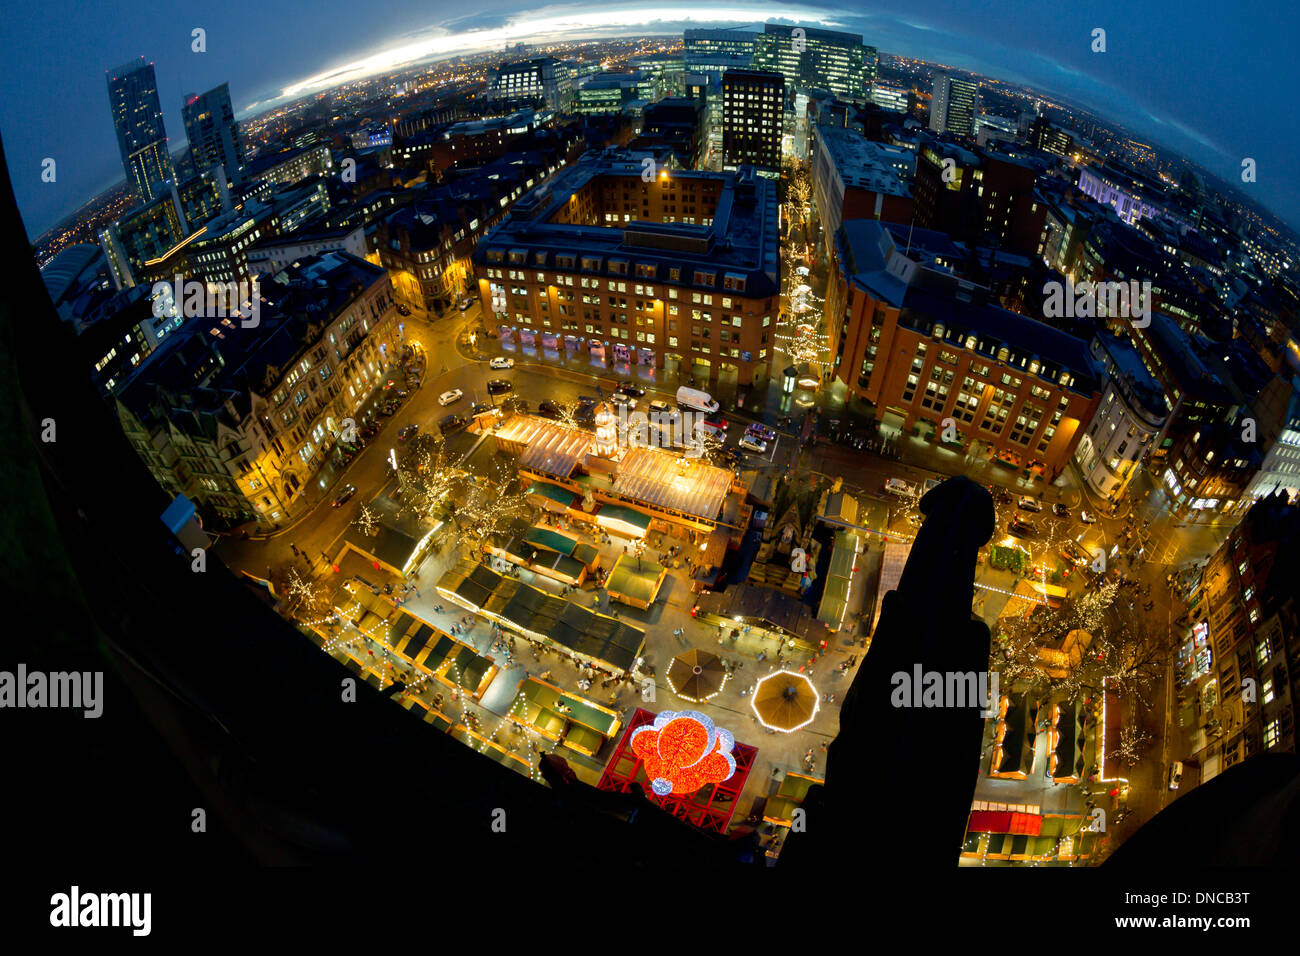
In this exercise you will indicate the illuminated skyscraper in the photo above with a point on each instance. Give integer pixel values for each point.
(213, 132)
(952, 107)
(138, 120)
(818, 59)
(752, 114)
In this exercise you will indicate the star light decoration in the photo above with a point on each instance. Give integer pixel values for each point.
(682, 751)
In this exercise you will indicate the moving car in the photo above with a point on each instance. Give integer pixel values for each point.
(1022, 528)
(450, 396)
(898, 486)
(1087, 517)
(501, 362)
(403, 310)
(407, 431)
(665, 411)
(465, 304)
(761, 432)
(718, 422)
(347, 492)
(707, 427)
(636, 391)
(620, 398)
(695, 399)
(1175, 775)
(1060, 510)
(499, 386)
(1026, 503)
(1075, 554)
(750, 443)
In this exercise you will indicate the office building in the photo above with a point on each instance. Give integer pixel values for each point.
(752, 117)
(144, 235)
(680, 273)
(241, 418)
(1131, 414)
(813, 59)
(612, 92)
(941, 362)
(213, 133)
(540, 80)
(1243, 633)
(953, 105)
(138, 122)
(854, 178)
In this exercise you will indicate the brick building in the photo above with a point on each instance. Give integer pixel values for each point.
(923, 346)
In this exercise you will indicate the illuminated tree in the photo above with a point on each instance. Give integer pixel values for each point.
(304, 597)
(427, 478)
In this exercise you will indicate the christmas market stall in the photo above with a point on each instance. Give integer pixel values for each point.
(563, 717)
(635, 580)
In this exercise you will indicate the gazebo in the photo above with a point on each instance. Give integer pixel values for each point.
(785, 700)
(696, 675)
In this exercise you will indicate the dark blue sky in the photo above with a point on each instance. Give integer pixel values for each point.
(1212, 80)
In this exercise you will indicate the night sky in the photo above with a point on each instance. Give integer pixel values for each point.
(1211, 80)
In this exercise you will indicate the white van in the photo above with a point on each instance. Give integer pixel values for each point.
(694, 398)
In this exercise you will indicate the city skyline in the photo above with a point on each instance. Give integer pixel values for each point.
(1115, 83)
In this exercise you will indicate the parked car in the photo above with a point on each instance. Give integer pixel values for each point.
(465, 304)
(1060, 510)
(451, 423)
(707, 427)
(549, 409)
(636, 391)
(501, 362)
(665, 411)
(514, 404)
(761, 432)
(1022, 528)
(1175, 775)
(480, 408)
(369, 431)
(403, 310)
(347, 492)
(1087, 517)
(1026, 503)
(450, 397)
(499, 386)
(621, 398)
(407, 431)
(750, 443)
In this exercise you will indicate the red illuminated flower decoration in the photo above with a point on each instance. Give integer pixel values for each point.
(682, 751)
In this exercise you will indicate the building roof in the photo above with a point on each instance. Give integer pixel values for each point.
(687, 486)
(742, 237)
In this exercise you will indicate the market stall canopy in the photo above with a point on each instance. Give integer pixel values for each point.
(687, 486)
(622, 519)
(549, 448)
(785, 701)
(696, 675)
(543, 616)
(554, 498)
